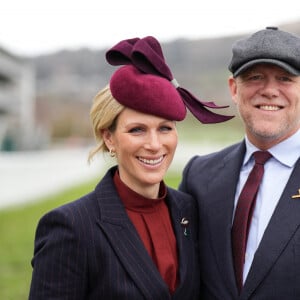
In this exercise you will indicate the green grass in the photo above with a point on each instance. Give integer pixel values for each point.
(17, 229)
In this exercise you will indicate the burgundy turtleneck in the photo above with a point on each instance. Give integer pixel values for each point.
(152, 221)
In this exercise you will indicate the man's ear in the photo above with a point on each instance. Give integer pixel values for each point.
(233, 88)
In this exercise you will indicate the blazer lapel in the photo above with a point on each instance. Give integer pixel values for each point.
(177, 213)
(221, 194)
(127, 244)
(283, 224)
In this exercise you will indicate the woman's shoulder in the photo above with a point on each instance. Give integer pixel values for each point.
(86, 204)
(72, 212)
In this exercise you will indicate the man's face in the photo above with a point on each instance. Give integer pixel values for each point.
(268, 101)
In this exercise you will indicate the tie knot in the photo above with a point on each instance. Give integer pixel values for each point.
(261, 157)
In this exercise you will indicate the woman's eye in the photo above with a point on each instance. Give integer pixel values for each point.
(136, 130)
(166, 128)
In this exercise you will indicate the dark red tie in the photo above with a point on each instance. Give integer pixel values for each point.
(243, 214)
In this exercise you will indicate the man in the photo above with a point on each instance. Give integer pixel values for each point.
(265, 86)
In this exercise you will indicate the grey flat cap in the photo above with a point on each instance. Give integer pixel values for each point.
(271, 46)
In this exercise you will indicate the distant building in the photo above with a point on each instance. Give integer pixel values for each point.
(17, 103)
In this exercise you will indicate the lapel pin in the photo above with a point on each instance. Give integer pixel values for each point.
(297, 195)
(185, 223)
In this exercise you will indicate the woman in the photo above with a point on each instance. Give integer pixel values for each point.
(132, 237)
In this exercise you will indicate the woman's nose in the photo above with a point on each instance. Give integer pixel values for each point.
(153, 141)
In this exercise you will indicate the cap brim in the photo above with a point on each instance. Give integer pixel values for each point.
(278, 63)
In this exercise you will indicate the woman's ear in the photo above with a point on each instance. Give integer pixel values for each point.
(107, 138)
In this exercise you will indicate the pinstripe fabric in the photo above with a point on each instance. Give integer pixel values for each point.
(89, 249)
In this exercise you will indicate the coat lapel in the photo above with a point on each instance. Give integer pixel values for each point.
(126, 243)
(183, 243)
(283, 224)
(221, 194)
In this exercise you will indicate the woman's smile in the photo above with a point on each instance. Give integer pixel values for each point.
(152, 161)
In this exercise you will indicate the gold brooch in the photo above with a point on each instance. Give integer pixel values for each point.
(296, 196)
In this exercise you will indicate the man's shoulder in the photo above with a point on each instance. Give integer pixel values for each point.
(215, 156)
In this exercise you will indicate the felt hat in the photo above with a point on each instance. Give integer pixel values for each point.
(271, 46)
(145, 83)
(147, 93)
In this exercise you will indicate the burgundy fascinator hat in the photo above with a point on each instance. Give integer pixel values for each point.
(145, 83)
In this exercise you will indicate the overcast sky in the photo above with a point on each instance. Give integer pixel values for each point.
(32, 27)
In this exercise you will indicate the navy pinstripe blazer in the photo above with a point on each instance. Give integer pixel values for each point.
(275, 270)
(89, 249)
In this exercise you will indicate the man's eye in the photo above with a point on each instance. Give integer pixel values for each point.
(285, 78)
(255, 77)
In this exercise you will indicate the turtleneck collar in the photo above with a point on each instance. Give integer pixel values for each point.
(136, 202)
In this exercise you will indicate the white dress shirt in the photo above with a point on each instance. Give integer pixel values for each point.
(277, 172)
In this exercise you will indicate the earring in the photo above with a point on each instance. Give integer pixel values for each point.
(112, 152)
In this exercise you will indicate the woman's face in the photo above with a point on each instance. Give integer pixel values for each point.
(144, 146)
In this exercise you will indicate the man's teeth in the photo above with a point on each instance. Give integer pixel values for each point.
(151, 161)
(269, 107)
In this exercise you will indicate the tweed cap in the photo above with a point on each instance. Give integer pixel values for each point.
(271, 46)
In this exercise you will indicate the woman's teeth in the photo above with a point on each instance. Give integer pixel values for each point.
(151, 161)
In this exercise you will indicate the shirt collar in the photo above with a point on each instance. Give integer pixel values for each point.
(287, 152)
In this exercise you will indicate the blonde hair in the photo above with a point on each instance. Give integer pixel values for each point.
(104, 113)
